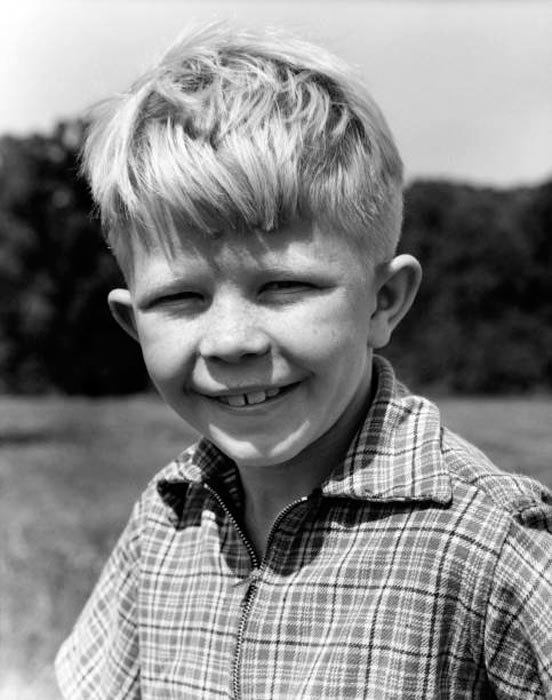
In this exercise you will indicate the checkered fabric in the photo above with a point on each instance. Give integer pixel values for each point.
(417, 570)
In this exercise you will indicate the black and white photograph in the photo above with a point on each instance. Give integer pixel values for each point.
(276, 349)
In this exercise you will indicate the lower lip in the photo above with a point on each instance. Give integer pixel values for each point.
(253, 407)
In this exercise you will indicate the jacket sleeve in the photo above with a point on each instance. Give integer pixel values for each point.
(100, 659)
(518, 631)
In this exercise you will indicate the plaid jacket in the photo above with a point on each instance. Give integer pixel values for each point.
(417, 570)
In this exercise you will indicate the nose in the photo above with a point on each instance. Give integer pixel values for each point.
(233, 331)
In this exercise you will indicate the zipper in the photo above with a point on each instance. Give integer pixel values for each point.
(255, 575)
(233, 520)
(246, 607)
(250, 595)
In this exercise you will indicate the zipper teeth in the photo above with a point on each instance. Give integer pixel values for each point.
(260, 566)
(247, 543)
(239, 642)
(248, 596)
(251, 594)
(281, 515)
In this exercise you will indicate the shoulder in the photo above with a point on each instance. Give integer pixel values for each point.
(516, 498)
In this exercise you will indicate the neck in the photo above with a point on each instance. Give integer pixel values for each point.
(269, 489)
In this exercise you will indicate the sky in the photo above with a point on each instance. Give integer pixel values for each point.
(466, 85)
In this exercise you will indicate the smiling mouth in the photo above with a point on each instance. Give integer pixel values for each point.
(253, 398)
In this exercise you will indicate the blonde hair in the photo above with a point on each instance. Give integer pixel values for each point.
(244, 130)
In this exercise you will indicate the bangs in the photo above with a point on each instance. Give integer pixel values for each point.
(251, 180)
(243, 182)
(235, 137)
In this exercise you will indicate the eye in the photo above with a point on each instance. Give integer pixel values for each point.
(181, 296)
(175, 301)
(286, 291)
(287, 286)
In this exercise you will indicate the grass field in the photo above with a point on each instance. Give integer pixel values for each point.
(71, 468)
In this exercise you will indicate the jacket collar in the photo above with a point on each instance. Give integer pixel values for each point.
(395, 455)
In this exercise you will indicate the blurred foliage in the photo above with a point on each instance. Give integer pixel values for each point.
(483, 318)
(482, 321)
(55, 273)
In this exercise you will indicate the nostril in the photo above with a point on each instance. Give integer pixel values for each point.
(235, 346)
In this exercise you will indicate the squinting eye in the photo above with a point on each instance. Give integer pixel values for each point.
(286, 286)
(181, 295)
(184, 298)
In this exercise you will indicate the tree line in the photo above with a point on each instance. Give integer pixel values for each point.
(482, 321)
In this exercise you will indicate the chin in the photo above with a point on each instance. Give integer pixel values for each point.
(251, 454)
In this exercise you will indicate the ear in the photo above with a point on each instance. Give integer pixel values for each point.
(120, 305)
(397, 283)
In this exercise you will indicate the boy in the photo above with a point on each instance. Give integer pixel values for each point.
(326, 538)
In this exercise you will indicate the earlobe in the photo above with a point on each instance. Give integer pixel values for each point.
(397, 285)
(120, 305)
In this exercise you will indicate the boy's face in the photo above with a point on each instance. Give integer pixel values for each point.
(259, 341)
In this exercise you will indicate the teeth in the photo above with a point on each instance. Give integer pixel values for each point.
(237, 400)
(254, 397)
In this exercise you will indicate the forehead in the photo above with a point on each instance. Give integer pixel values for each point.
(298, 246)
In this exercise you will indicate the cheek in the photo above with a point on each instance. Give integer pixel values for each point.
(167, 350)
(328, 332)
